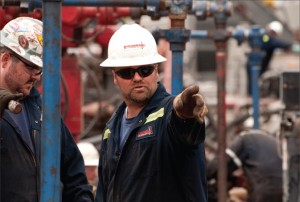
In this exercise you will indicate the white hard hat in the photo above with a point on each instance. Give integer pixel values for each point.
(89, 153)
(24, 36)
(276, 27)
(132, 45)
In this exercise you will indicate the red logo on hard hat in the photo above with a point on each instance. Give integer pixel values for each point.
(23, 41)
(139, 45)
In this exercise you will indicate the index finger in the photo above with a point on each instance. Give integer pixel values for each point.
(190, 91)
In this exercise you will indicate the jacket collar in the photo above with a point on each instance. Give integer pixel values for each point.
(155, 100)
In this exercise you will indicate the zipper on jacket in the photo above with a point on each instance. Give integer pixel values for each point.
(34, 136)
(31, 153)
(34, 145)
(119, 154)
(139, 124)
(33, 158)
(29, 149)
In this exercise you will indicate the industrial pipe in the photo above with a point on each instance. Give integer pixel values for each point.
(115, 3)
(220, 13)
(51, 130)
(253, 67)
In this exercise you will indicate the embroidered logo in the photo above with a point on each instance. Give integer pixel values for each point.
(146, 133)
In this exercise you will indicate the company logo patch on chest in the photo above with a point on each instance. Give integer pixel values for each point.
(145, 133)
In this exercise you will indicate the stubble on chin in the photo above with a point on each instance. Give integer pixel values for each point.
(140, 98)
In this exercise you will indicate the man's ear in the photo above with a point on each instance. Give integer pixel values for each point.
(114, 77)
(4, 58)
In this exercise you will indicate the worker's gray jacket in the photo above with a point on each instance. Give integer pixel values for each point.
(20, 166)
(162, 159)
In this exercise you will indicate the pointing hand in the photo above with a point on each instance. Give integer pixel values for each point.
(190, 104)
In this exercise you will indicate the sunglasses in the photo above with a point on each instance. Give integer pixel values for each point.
(129, 73)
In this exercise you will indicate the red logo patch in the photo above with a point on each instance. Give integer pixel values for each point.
(145, 133)
(133, 46)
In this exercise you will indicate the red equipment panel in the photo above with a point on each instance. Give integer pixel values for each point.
(72, 100)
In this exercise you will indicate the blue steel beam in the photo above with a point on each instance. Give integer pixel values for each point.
(51, 149)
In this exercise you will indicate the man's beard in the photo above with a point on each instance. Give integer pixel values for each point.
(140, 99)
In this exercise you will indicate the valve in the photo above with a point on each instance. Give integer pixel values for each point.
(239, 35)
(200, 9)
(255, 37)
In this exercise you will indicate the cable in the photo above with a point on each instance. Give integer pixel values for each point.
(99, 90)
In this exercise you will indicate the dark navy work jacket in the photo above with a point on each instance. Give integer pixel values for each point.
(20, 165)
(162, 159)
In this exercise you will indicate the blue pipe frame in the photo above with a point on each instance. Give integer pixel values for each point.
(254, 60)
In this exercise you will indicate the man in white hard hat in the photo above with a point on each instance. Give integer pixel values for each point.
(21, 46)
(152, 147)
(271, 42)
(91, 161)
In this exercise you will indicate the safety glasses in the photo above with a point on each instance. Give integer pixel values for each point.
(129, 73)
(31, 69)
